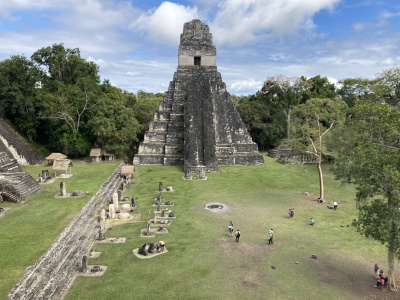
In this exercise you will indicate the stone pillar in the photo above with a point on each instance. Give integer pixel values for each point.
(115, 200)
(103, 215)
(202, 173)
(148, 228)
(111, 211)
(187, 174)
(63, 189)
(119, 195)
(45, 174)
(84, 264)
(101, 236)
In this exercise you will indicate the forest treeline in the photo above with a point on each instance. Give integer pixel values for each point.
(55, 98)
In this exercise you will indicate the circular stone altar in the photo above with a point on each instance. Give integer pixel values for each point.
(217, 207)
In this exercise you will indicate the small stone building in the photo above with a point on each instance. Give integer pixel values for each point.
(63, 167)
(110, 156)
(97, 155)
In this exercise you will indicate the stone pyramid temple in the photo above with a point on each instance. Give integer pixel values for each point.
(197, 125)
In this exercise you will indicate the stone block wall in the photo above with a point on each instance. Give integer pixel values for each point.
(54, 272)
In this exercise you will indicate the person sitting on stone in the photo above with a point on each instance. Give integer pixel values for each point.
(380, 282)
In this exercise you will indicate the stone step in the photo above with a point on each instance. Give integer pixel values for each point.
(23, 148)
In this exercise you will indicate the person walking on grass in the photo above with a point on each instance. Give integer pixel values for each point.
(312, 222)
(237, 235)
(230, 229)
(271, 236)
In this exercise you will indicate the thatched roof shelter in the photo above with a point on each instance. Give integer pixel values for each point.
(62, 165)
(54, 156)
(127, 170)
(95, 152)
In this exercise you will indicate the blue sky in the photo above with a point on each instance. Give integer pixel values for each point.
(135, 43)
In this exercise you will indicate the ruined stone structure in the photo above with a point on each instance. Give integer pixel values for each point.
(15, 185)
(289, 156)
(16, 147)
(197, 124)
(53, 274)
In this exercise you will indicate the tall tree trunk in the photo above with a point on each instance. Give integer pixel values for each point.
(392, 209)
(391, 280)
(321, 179)
(287, 115)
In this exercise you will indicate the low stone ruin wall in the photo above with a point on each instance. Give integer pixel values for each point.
(288, 156)
(55, 271)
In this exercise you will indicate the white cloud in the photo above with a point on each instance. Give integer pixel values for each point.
(238, 22)
(388, 61)
(245, 85)
(164, 24)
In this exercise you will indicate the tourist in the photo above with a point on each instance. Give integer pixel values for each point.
(312, 222)
(230, 229)
(271, 236)
(376, 271)
(237, 235)
(382, 276)
(335, 205)
(380, 282)
(292, 213)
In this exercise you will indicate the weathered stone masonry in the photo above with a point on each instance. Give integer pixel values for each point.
(55, 271)
(197, 124)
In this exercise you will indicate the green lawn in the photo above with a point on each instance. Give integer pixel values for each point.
(202, 261)
(30, 227)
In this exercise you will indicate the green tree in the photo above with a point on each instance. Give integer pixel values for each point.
(71, 88)
(366, 90)
(313, 122)
(391, 78)
(255, 115)
(372, 163)
(321, 88)
(70, 102)
(113, 122)
(285, 93)
(65, 64)
(19, 83)
(144, 106)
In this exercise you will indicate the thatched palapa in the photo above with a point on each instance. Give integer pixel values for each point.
(62, 165)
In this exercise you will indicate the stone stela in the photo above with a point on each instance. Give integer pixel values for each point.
(196, 124)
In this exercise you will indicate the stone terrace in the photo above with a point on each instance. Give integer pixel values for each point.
(14, 144)
(55, 271)
(15, 185)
